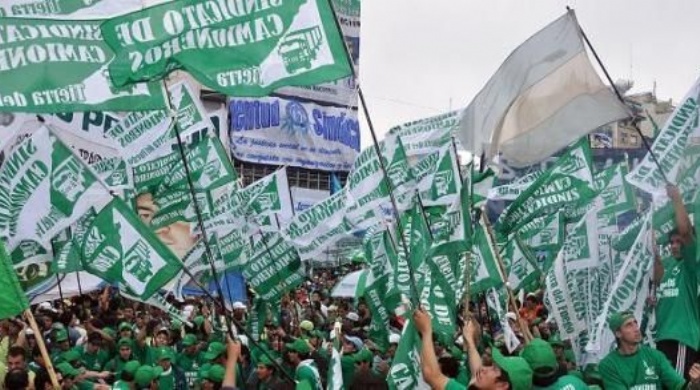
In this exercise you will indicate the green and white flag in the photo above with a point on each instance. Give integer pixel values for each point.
(484, 272)
(381, 294)
(44, 188)
(428, 135)
(405, 371)
(494, 298)
(270, 262)
(669, 146)
(567, 184)
(159, 301)
(544, 236)
(68, 9)
(520, 264)
(13, 301)
(628, 292)
(335, 371)
(62, 66)
(191, 116)
(67, 259)
(267, 197)
(240, 49)
(143, 136)
(559, 301)
(441, 185)
(512, 191)
(118, 247)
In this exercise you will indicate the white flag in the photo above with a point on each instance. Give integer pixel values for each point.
(542, 98)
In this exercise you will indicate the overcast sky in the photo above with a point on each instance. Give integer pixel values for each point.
(418, 56)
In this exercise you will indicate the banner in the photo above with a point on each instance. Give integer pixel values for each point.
(681, 129)
(44, 188)
(68, 9)
(405, 371)
(273, 267)
(236, 48)
(58, 66)
(281, 131)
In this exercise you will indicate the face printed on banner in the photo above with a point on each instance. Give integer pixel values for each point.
(175, 236)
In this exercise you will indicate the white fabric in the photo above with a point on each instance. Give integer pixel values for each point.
(543, 97)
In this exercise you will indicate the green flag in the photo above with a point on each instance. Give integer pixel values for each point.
(62, 66)
(237, 48)
(567, 184)
(12, 300)
(118, 247)
(484, 272)
(405, 371)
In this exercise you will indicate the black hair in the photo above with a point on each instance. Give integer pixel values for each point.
(17, 379)
(545, 376)
(127, 376)
(504, 377)
(17, 350)
(41, 379)
(449, 366)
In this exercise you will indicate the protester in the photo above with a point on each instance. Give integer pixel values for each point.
(632, 365)
(677, 309)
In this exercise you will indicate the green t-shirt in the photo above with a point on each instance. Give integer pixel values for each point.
(93, 361)
(307, 372)
(120, 385)
(347, 366)
(190, 366)
(677, 314)
(167, 380)
(565, 382)
(452, 384)
(643, 370)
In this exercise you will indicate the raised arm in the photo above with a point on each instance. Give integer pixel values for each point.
(685, 229)
(429, 362)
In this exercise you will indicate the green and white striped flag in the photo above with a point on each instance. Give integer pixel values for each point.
(484, 271)
(44, 188)
(428, 135)
(274, 45)
(405, 371)
(118, 247)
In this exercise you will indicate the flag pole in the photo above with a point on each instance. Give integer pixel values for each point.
(619, 96)
(502, 269)
(377, 150)
(466, 295)
(80, 288)
(42, 348)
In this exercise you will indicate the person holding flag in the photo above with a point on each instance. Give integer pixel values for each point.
(677, 311)
(506, 373)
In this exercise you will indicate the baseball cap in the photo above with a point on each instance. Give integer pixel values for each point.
(60, 335)
(352, 316)
(189, 340)
(518, 370)
(307, 325)
(265, 361)
(616, 320)
(198, 321)
(214, 350)
(146, 374)
(363, 356)
(215, 373)
(125, 342)
(394, 338)
(67, 370)
(166, 354)
(239, 305)
(299, 346)
(131, 366)
(355, 341)
(556, 341)
(541, 358)
(124, 326)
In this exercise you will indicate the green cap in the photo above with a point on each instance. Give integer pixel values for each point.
(616, 320)
(60, 335)
(317, 333)
(299, 346)
(124, 326)
(110, 332)
(265, 361)
(176, 325)
(203, 371)
(363, 356)
(70, 356)
(125, 342)
(214, 350)
(166, 354)
(518, 370)
(131, 366)
(198, 321)
(306, 325)
(67, 370)
(144, 375)
(591, 372)
(189, 340)
(215, 373)
(541, 358)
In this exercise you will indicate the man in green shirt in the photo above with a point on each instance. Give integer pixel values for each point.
(265, 373)
(147, 377)
(125, 354)
(189, 359)
(546, 374)
(93, 356)
(506, 372)
(677, 312)
(306, 374)
(635, 366)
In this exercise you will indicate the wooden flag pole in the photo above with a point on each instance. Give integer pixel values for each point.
(502, 269)
(42, 347)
